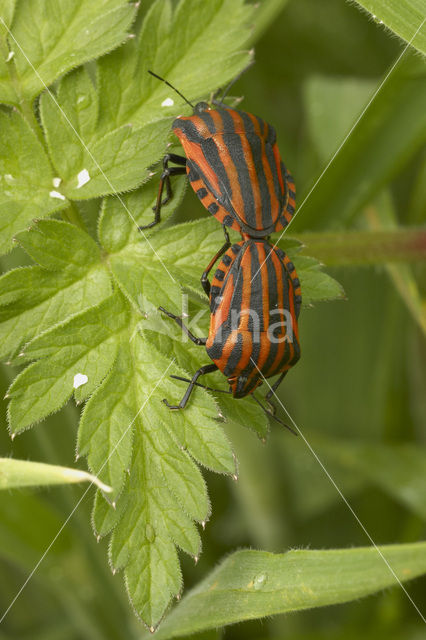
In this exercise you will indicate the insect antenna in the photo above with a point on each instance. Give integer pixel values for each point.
(171, 86)
(270, 414)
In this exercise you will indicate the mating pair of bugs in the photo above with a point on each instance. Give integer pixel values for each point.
(234, 166)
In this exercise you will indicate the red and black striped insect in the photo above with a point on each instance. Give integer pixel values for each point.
(255, 301)
(234, 166)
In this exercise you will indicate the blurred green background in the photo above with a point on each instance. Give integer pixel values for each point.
(358, 393)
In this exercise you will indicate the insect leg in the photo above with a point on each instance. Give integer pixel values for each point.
(208, 368)
(173, 171)
(275, 386)
(204, 278)
(199, 341)
(272, 414)
(203, 386)
(165, 182)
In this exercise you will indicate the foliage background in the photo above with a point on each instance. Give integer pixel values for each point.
(357, 395)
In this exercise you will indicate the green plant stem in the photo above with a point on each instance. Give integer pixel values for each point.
(28, 114)
(73, 215)
(366, 247)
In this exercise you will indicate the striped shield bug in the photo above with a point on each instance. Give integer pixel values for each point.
(234, 165)
(255, 301)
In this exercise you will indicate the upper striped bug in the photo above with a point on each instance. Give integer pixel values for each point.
(234, 166)
(254, 304)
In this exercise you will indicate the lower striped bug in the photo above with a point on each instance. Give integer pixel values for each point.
(255, 301)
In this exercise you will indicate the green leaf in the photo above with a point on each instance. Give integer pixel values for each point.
(7, 7)
(89, 161)
(26, 177)
(88, 346)
(174, 41)
(127, 432)
(389, 133)
(83, 315)
(316, 285)
(165, 260)
(404, 17)
(133, 442)
(165, 491)
(60, 246)
(255, 584)
(51, 37)
(114, 142)
(70, 278)
(121, 216)
(244, 412)
(23, 473)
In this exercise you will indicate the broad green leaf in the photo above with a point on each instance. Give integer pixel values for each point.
(388, 134)
(121, 215)
(7, 7)
(49, 38)
(165, 489)
(255, 584)
(88, 347)
(245, 412)
(127, 432)
(104, 516)
(84, 316)
(404, 17)
(157, 268)
(112, 144)
(153, 575)
(316, 285)
(26, 177)
(59, 246)
(198, 47)
(69, 278)
(23, 473)
(91, 162)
